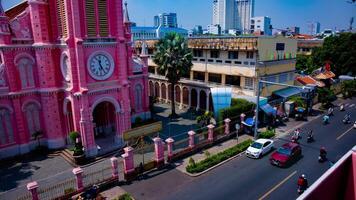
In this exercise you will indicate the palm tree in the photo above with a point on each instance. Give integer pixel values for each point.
(174, 60)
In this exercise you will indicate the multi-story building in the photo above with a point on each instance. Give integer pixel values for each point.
(233, 14)
(294, 30)
(68, 67)
(151, 33)
(261, 25)
(314, 28)
(306, 46)
(168, 20)
(224, 14)
(235, 62)
(245, 11)
(214, 29)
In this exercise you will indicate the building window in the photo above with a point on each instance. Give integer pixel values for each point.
(291, 76)
(25, 67)
(6, 129)
(233, 55)
(283, 78)
(32, 112)
(233, 80)
(103, 18)
(62, 19)
(138, 97)
(238, 62)
(199, 76)
(90, 18)
(214, 54)
(197, 53)
(249, 54)
(271, 79)
(248, 83)
(216, 78)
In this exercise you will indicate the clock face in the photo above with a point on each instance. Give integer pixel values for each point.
(100, 66)
(65, 67)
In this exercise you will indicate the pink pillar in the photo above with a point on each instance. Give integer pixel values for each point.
(227, 126)
(129, 167)
(191, 139)
(32, 187)
(159, 151)
(211, 132)
(78, 172)
(170, 142)
(114, 165)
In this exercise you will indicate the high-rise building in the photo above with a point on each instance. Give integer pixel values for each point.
(295, 30)
(314, 28)
(245, 10)
(166, 20)
(233, 14)
(261, 25)
(224, 14)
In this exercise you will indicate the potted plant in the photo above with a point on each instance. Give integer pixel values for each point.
(78, 152)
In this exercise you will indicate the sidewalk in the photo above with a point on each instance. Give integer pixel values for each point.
(182, 164)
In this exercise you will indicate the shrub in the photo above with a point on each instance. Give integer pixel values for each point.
(238, 106)
(73, 136)
(69, 191)
(191, 162)
(125, 196)
(207, 153)
(298, 101)
(217, 158)
(267, 134)
(348, 88)
(325, 96)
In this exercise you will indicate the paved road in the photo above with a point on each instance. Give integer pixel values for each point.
(245, 178)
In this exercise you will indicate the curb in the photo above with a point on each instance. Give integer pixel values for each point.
(213, 167)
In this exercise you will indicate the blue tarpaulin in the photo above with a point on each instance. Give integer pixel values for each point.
(249, 122)
(287, 92)
(221, 98)
(269, 110)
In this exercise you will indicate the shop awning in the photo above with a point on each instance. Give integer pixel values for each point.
(287, 92)
(269, 110)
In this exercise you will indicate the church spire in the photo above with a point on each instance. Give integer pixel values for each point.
(2, 12)
(144, 51)
(126, 14)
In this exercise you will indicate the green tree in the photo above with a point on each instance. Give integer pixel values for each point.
(348, 88)
(174, 59)
(340, 50)
(325, 96)
(305, 63)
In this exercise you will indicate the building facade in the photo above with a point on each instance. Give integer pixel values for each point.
(235, 62)
(168, 20)
(261, 25)
(68, 66)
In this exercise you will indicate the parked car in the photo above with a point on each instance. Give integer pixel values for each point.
(259, 148)
(286, 154)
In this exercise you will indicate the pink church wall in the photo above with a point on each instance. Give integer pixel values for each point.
(34, 33)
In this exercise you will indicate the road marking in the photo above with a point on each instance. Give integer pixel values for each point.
(338, 138)
(352, 105)
(278, 185)
(347, 105)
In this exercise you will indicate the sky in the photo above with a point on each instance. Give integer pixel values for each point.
(284, 13)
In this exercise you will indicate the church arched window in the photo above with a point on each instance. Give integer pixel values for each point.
(25, 67)
(6, 128)
(32, 113)
(138, 97)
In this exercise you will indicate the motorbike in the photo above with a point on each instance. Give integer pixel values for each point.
(310, 138)
(346, 121)
(325, 120)
(330, 112)
(322, 158)
(342, 108)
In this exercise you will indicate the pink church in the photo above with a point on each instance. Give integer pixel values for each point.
(68, 65)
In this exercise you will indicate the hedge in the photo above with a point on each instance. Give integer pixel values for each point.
(238, 106)
(217, 158)
(267, 134)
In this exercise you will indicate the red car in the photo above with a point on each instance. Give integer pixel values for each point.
(286, 154)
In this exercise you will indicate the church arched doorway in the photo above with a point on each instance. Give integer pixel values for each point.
(104, 120)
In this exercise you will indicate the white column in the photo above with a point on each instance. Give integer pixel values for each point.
(198, 101)
(160, 91)
(189, 95)
(181, 98)
(167, 97)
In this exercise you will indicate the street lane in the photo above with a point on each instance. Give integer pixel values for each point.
(245, 178)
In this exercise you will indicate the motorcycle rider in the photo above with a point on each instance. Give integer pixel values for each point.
(310, 137)
(302, 184)
(330, 111)
(322, 155)
(326, 119)
(342, 107)
(347, 118)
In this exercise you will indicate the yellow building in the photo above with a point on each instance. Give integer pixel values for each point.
(235, 62)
